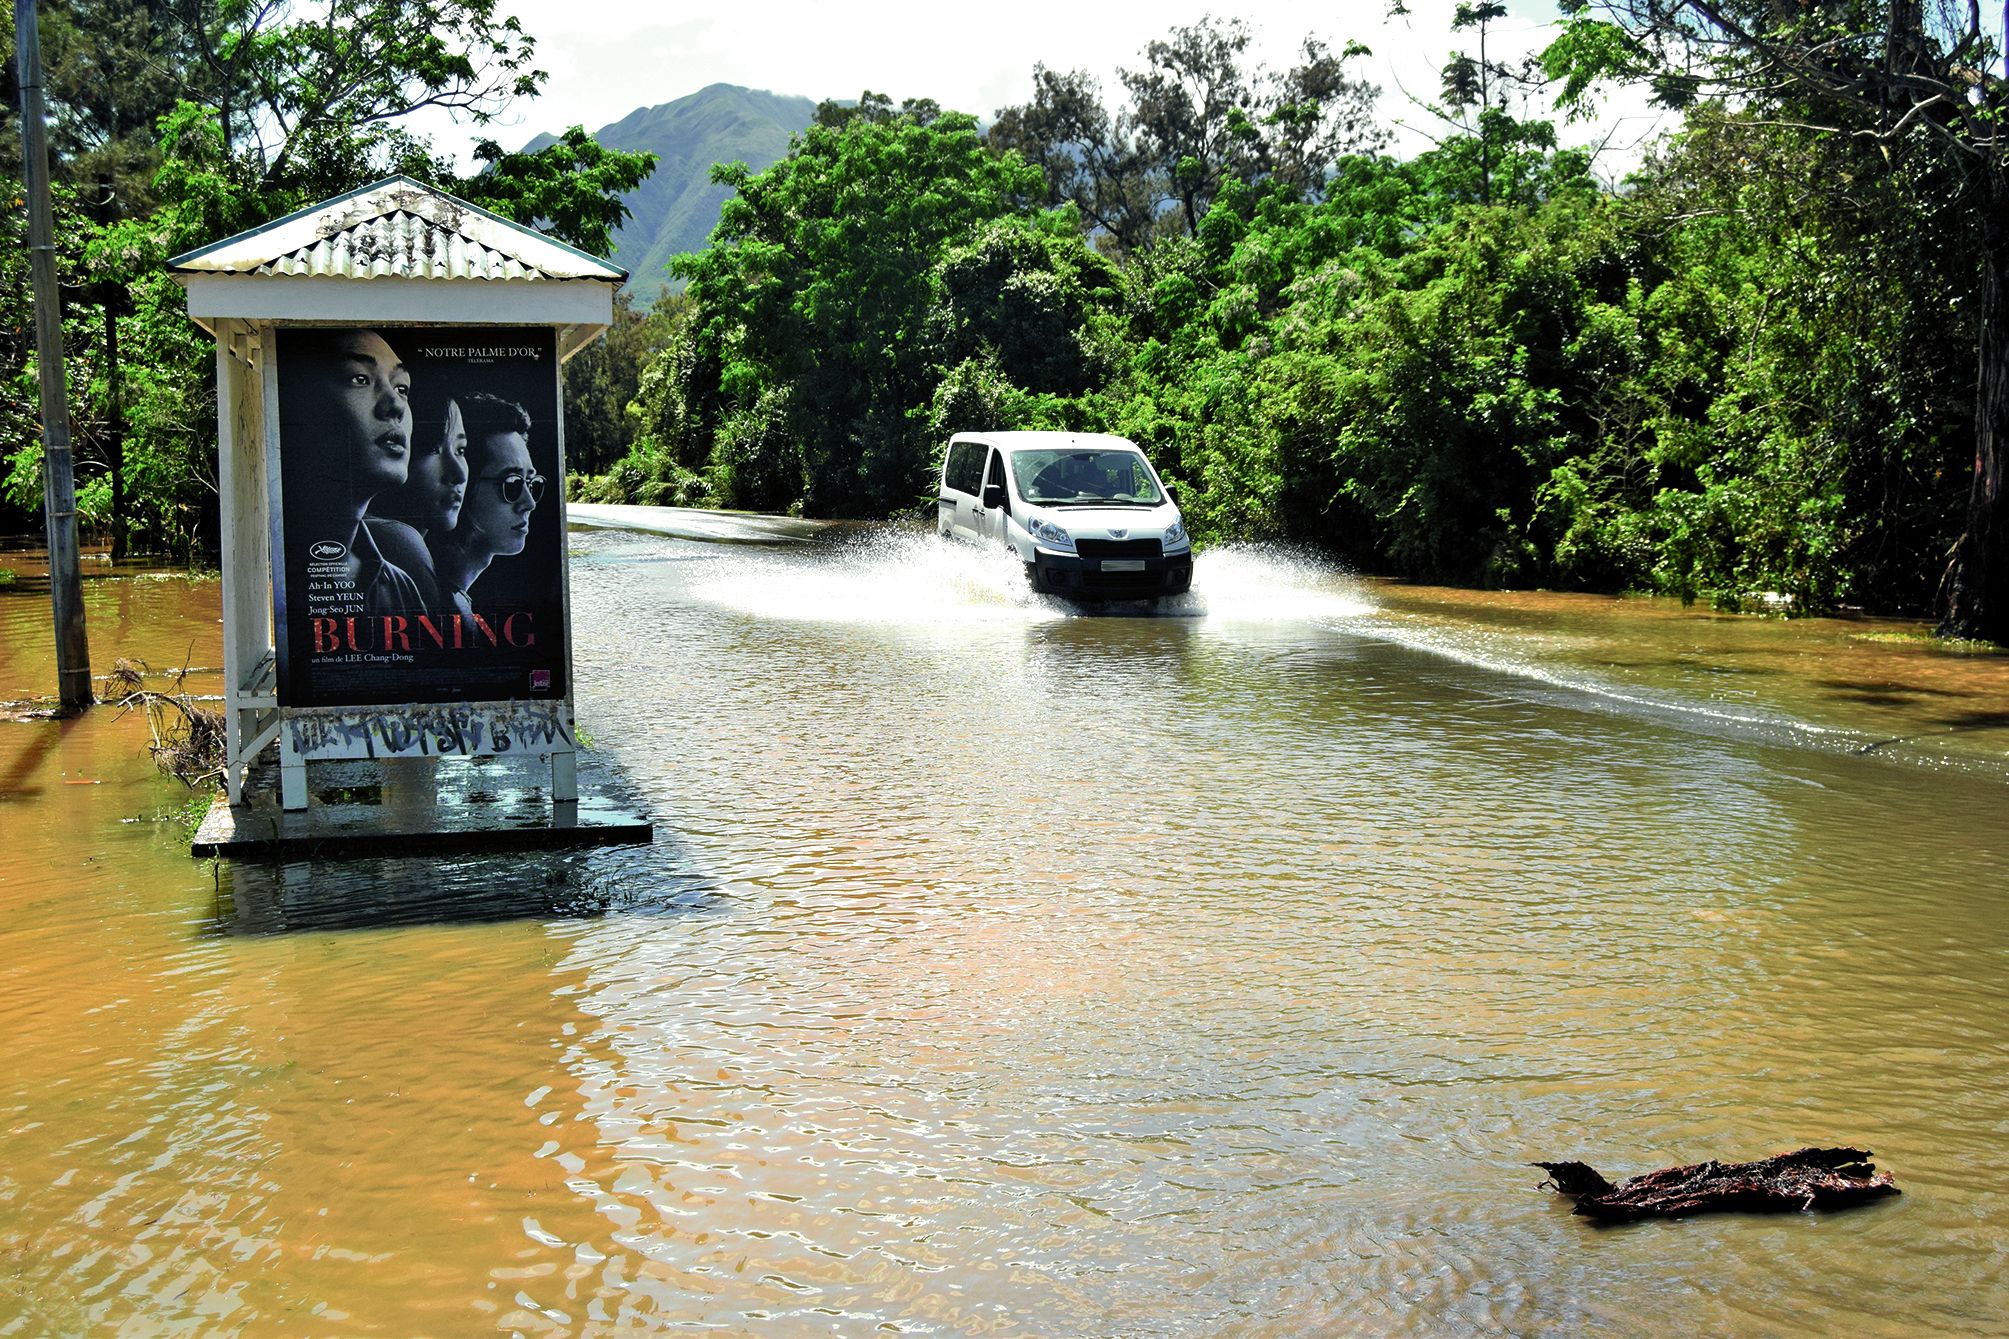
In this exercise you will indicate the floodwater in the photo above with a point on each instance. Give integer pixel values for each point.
(1003, 970)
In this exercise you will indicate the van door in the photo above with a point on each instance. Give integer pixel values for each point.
(962, 481)
(992, 522)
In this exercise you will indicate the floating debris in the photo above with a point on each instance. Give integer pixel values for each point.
(187, 738)
(1809, 1178)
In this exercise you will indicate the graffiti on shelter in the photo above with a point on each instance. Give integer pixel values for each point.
(430, 731)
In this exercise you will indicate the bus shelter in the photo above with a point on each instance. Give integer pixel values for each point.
(391, 464)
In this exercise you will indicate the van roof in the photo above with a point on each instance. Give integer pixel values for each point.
(1048, 441)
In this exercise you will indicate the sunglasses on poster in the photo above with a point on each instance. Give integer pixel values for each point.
(514, 483)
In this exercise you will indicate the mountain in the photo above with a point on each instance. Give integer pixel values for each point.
(677, 207)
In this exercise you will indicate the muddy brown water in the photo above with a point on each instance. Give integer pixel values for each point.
(1003, 970)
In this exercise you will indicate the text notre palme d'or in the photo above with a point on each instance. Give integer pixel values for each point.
(395, 632)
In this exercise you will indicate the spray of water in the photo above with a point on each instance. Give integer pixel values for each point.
(1270, 583)
(916, 578)
(881, 577)
(908, 577)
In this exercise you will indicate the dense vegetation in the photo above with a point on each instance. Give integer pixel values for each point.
(177, 122)
(1747, 371)
(1761, 369)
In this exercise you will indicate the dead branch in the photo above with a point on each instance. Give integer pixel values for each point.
(187, 738)
(1806, 1179)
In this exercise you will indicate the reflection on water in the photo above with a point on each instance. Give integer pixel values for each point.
(284, 896)
(1002, 969)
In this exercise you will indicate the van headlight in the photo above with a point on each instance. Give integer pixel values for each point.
(1175, 534)
(1049, 534)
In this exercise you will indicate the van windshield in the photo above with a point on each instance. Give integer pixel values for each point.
(1081, 478)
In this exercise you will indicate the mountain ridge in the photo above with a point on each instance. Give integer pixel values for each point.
(676, 208)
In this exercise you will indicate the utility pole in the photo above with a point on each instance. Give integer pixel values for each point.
(59, 494)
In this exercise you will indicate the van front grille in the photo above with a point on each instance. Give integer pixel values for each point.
(1119, 548)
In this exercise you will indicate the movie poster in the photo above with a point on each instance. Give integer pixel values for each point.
(420, 488)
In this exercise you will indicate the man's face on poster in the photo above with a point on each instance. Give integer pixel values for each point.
(496, 514)
(368, 399)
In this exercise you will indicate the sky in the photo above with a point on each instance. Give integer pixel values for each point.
(608, 57)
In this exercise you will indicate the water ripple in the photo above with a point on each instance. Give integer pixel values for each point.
(1006, 969)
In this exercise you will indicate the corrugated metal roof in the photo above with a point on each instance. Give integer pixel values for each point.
(396, 228)
(403, 245)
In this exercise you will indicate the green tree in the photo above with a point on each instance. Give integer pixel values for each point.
(1085, 158)
(1470, 84)
(1914, 78)
(253, 110)
(108, 76)
(1027, 295)
(308, 98)
(1795, 422)
(572, 189)
(810, 308)
(604, 378)
(1197, 119)
(1194, 111)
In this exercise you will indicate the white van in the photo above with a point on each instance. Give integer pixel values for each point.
(1084, 511)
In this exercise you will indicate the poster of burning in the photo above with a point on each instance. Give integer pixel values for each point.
(418, 521)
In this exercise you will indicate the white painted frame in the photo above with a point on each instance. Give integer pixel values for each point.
(322, 300)
(242, 312)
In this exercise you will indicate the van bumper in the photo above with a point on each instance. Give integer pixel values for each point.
(1095, 578)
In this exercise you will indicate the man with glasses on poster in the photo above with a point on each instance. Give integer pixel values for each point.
(503, 488)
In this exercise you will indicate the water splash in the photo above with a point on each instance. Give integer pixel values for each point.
(913, 578)
(904, 577)
(1269, 583)
(884, 577)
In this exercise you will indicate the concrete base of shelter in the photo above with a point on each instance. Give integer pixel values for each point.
(413, 806)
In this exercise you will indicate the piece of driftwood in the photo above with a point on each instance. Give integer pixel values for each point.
(1809, 1178)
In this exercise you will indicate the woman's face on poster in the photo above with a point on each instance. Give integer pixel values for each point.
(495, 517)
(438, 484)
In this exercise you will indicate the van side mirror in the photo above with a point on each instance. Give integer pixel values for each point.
(994, 495)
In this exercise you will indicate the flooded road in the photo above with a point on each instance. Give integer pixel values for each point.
(1003, 970)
